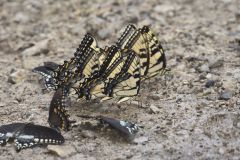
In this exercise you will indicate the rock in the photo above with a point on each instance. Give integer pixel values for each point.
(38, 48)
(88, 134)
(202, 77)
(61, 150)
(229, 84)
(21, 18)
(17, 76)
(209, 83)
(221, 150)
(141, 140)
(154, 109)
(216, 63)
(164, 8)
(225, 95)
(204, 68)
(238, 125)
(2, 104)
(213, 77)
(80, 156)
(154, 97)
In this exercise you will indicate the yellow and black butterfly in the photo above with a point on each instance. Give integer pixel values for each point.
(148, 48)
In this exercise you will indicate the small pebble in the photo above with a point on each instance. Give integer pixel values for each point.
(216, 63)
(17, 76)
(164, 8)
(221, 150)
(21, 18)
(209, 83)
(61, 150)
(225, 95)
(87, 134)
(141, 140)
(154, 97)
(2, 104)
(154, 109)
(204, 68)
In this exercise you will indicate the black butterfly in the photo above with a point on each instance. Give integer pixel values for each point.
(124, 127)
(28, 135)
(58, 116)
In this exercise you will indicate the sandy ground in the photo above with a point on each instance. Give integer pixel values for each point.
(192, 113)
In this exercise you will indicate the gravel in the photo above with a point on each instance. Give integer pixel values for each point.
(225, 95)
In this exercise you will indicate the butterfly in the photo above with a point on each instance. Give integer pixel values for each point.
(28, 135)
(148, 48)
(58, 116)
(124, 127)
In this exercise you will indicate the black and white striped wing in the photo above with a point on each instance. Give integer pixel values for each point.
(28, 135)
(124, 127)
(31, 135)
(127, 33)
(9, 132)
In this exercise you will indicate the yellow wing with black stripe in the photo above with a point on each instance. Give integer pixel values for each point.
(91, 86)
(147, 47)
(157, 63)
(84, 64)
(126, 83)
(137, 42)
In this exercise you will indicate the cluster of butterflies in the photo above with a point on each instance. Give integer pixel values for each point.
(94, 73)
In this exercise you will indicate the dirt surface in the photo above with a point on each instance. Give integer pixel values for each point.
(192, 113)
